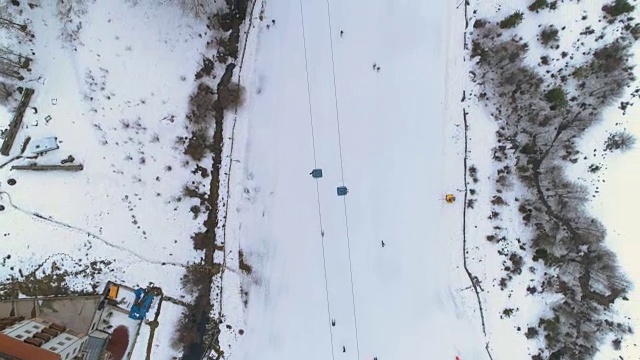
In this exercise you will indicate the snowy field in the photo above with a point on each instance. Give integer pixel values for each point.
(117, 91)
(615, 204)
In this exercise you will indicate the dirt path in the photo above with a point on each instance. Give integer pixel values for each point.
(153, 325)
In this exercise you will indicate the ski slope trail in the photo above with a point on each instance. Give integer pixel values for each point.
(365, 91)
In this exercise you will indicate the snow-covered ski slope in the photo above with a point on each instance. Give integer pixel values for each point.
(394, 138)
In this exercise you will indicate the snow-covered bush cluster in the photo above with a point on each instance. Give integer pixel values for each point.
(541, 112)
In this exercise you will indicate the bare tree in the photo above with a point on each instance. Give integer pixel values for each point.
(7, 20)
(197, 8)
(620, 140)
(7, 23)
(14, 59)
(8, 70)
(8, 94)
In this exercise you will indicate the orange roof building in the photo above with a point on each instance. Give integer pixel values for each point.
(17, 349)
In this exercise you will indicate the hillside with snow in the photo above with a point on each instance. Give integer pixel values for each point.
(189, 132)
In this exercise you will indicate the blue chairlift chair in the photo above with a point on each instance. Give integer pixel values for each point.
(316, 173)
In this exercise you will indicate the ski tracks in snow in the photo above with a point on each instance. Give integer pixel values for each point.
(50, 220)
(315, 136)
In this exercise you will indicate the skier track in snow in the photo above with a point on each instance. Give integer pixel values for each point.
(88, 233)
(346, 218)
(315, 165)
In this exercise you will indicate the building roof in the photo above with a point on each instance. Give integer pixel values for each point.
(23, 351)
(95, 344)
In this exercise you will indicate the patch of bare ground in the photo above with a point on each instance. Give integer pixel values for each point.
(50, 279)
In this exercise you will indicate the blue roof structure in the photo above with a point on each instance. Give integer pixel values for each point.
(141, 306)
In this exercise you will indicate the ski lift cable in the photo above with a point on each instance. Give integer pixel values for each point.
(324, 265)
(353, 296)
(335, 92)
(324, 260)
(306, 68)
(346, 219)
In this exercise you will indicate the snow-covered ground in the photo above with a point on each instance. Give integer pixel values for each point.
(398, 144)
(614, 203)
(117, 96)
(113, 318)
(395, 139)
(126, 298)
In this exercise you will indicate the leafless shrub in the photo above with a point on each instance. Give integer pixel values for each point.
(69, 12)
(616, 344)
(231, 96)
(198, 144)
(200, 240)
(196, 275)
(611, 57)
(620, 140)
(244, 266)
(473, 173)
(531, 333)
(201, 106)
(195, 210)
(516, 264)
(549, 35)
(471, 203)
(196, 8)
(192, 191)
(9, 96)
(508, 312)
(498, 201)
(7, 21)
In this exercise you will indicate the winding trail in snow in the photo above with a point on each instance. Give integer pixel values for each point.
(88, 233)
(472, 278)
